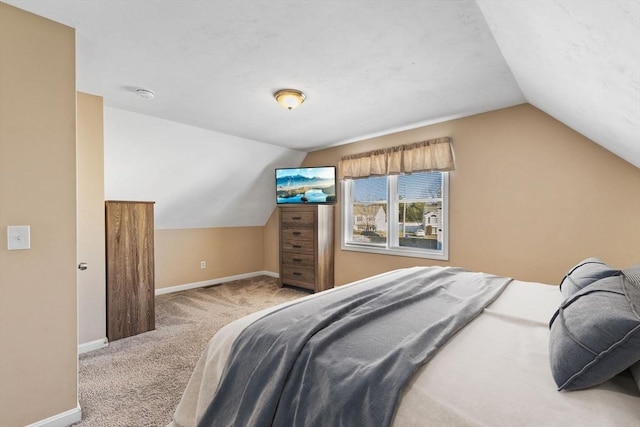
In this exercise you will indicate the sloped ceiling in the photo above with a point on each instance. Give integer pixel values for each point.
(367, 68)
(579, 61)
(197, 177)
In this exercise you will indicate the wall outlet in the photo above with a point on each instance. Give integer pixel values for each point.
(203, 264)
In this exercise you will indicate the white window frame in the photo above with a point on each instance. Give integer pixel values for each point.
(392, 230)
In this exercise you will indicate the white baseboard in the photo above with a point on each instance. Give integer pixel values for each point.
(178, 288)
(93, 345)
(63, 419)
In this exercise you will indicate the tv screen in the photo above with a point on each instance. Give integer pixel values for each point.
(306, 185)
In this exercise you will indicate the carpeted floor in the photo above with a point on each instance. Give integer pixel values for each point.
(138, 381)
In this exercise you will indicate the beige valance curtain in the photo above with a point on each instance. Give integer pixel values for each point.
(425, 156)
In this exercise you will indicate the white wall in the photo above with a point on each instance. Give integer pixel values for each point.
(197, 177)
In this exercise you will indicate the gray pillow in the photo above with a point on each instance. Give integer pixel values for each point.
(633, 275)
(585, 273)
(595, 334)
(635, 371)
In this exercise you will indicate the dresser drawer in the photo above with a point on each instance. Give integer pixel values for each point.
(296, 218)
(298, 246)
(306, 246)
(301, 260)
(297, 274)
(297, 233)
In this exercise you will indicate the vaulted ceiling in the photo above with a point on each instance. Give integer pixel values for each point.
(366, 67)
(578, 61)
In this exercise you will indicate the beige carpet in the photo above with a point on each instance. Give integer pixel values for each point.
(138, 381)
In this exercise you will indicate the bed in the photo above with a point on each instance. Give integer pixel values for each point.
(494, 370)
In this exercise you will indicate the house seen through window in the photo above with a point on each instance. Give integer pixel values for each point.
(397, 214)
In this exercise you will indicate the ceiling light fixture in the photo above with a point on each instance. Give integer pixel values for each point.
(289, 98)
(144, 93)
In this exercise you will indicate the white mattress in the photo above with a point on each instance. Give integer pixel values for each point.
(494, 372)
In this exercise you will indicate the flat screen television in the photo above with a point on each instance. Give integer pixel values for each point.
(312, 185)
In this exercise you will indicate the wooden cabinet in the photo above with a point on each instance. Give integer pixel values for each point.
(130, 268)
(306, 246)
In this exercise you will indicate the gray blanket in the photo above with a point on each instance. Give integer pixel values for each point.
(343, 357)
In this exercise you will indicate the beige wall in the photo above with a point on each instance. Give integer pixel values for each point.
(529, 198)
(38, 315)
(227, 251)
(91, 235)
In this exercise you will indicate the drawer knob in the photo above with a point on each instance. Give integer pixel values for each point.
(296, 233)
(296, 246)
(297, 260)
(296, 217)
(295, 273)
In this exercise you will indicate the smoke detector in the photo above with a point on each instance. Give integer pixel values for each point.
(144, 93)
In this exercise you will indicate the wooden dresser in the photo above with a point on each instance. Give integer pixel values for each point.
(130, 268)
(306, 246)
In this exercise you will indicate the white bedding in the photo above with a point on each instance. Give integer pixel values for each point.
(494, 372)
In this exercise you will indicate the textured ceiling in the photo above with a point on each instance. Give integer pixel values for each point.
(367, 67)
(207, 144)
(579, 61)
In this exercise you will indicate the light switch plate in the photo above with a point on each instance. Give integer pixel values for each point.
(18, 237)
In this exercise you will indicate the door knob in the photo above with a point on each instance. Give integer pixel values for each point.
(82, 266)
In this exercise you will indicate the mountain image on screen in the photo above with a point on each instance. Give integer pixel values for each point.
(305, 189)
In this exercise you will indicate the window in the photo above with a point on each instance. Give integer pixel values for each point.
(403, 215)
